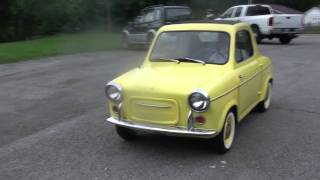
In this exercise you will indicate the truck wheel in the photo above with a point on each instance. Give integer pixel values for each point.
(125, 133)
(285, 39)
(265, 104)
(257, 34)
(226, 137)
(125, 42)
(149, 39)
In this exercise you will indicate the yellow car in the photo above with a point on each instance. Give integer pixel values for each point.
(199, 79)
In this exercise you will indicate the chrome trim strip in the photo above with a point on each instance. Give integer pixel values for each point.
(201, 133)
(242, 83)
(224, 94)
(190, 121)
(152, 105)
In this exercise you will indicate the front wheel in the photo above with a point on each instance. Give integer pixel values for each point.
(126, 134)
(226, 137)
(125, 42)
(265, 104)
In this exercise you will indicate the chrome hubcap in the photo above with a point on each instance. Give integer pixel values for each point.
(229, 131)
(267, 101)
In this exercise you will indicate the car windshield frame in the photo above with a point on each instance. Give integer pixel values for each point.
(210, 31)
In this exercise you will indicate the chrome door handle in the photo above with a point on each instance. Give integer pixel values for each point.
(242, 76)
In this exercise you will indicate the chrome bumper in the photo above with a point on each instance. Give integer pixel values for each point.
(201, 133)
(286, 31)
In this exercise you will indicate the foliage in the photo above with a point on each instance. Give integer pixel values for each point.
(24, 19)
(58, 44)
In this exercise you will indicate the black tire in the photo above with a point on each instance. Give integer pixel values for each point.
(149, 39)
(285, 39)
(264, 105)
(126, 134)
(125, 42)
(257, 33)
(221, 144)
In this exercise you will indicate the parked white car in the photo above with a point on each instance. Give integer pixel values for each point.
(267, 22)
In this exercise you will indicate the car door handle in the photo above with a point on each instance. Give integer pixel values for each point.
(242, 76)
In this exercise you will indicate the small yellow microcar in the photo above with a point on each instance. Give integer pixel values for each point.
(199, 79)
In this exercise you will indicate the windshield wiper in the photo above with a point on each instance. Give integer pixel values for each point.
(190, 59)
(166, 59)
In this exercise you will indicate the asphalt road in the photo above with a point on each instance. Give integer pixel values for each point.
(52, 125)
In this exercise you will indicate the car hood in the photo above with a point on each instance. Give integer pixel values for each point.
(182, 78)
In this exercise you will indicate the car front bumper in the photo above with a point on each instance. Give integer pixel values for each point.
(175, 131)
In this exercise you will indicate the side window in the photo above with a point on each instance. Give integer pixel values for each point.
(228, 13)
(148, 16)
(244, 48)
(157, 14)
(258, 10)
(138, 20)
(238, 12)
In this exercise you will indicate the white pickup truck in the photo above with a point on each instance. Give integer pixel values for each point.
(267, 22)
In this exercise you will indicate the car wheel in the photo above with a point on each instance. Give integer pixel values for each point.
(126, 134)
(285, 39)
(257, 34)
(265, 104)
(149, 39)
(125, 42)
(226, 137)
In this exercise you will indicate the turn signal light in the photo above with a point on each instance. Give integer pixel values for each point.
(200, 120)
(115, 109)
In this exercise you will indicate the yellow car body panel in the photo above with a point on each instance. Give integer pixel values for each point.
(157, 92)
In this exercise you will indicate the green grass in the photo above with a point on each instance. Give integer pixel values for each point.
(312, 30)
(58, 45)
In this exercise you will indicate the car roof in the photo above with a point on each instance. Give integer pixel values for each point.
(227, 22)
(205, 25)
(164, 6)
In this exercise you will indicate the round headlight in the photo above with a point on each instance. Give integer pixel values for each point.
(199, 101)
(113, 92)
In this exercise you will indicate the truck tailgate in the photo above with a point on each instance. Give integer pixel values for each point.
(287, 21)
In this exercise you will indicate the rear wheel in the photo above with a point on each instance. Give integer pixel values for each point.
(265, 104)
(257, 34)
(285, 39)
(226, 137)
(126, 134)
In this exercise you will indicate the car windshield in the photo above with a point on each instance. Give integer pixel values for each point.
(190, 46)
(177, 13)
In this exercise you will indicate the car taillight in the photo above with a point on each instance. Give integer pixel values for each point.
(270, 21)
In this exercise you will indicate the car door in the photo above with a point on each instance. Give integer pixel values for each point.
(248, 71)
(134, 30)
(148, 18)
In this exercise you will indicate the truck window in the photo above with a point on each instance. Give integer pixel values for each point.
(244, 48)
(157, 14)
(228, 13)
(148, 16)
(258, 10)
(238, 12)
(177, 13)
